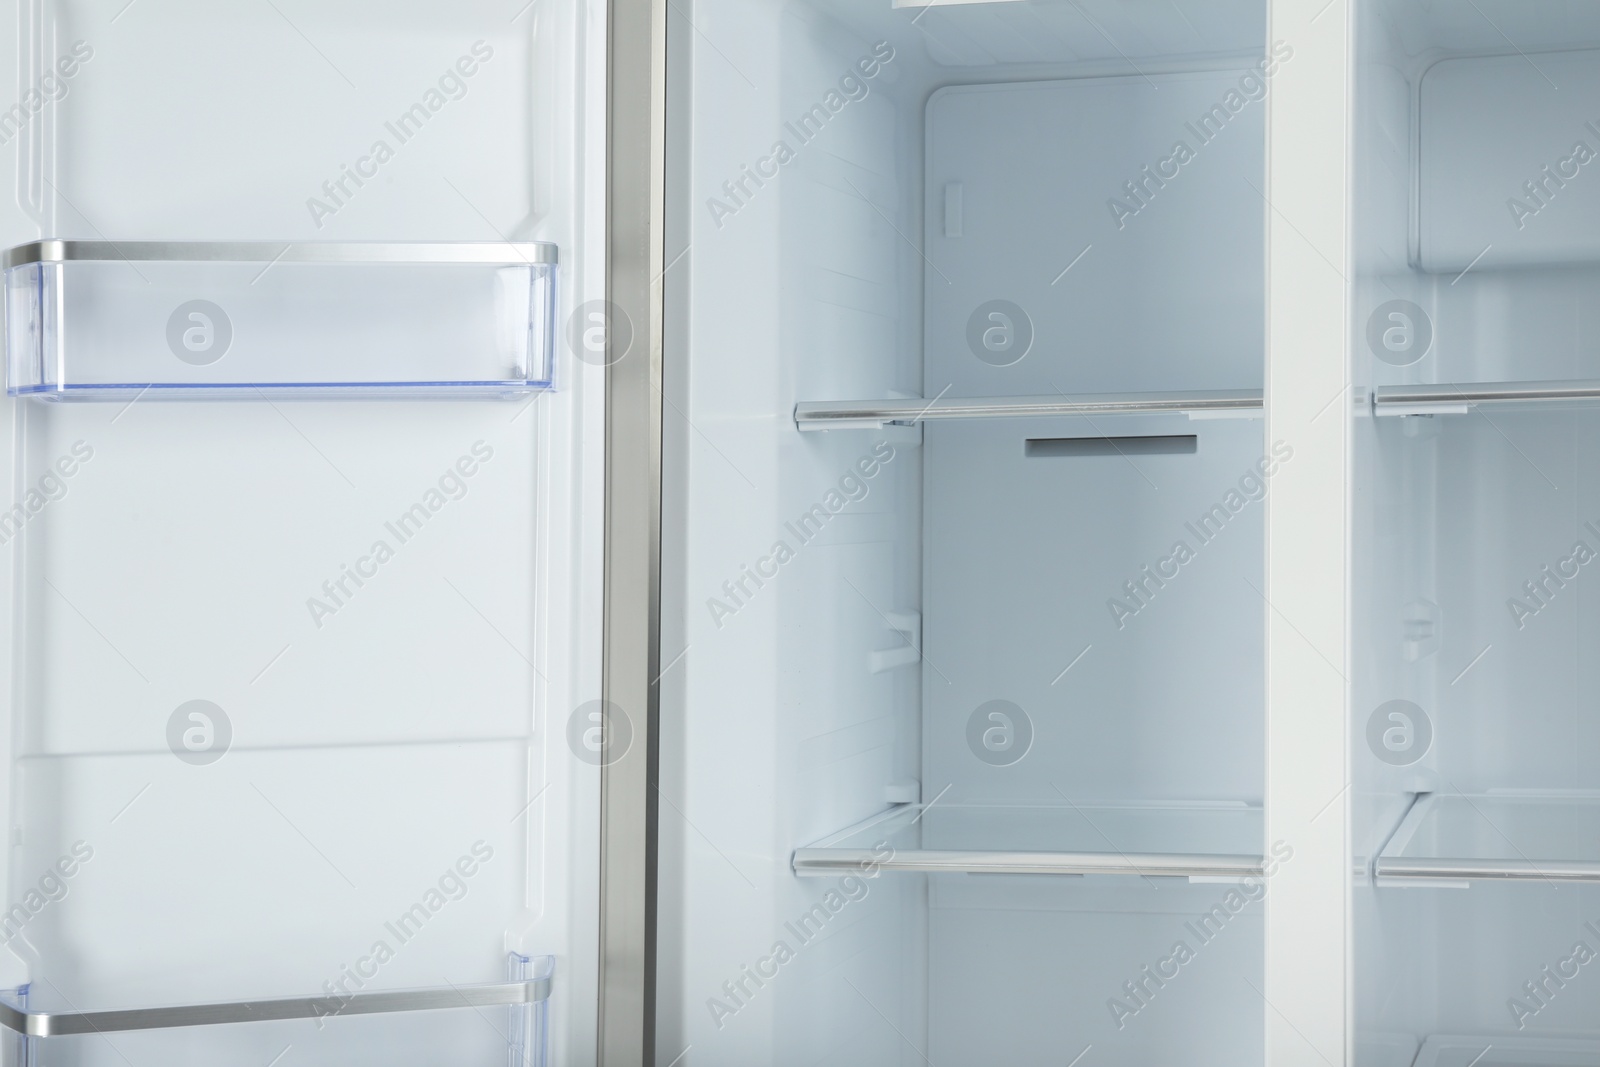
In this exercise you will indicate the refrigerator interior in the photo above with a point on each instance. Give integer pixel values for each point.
(290, 666)
(962, 744)
(1476, 507)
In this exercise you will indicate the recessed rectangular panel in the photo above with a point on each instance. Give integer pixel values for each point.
(1154, 445)
(1509, 169)
(1111, 235)
(1101, 568)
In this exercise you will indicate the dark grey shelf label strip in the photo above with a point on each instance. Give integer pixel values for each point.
(1068, 447)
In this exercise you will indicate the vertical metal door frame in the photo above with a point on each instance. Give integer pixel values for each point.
(635, 201)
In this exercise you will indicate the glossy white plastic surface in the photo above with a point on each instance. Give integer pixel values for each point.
(290, 683)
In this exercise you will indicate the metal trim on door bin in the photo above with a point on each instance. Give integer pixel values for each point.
(62, 1024)
(486, 253)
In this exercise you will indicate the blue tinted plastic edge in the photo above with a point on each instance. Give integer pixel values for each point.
(468, 388)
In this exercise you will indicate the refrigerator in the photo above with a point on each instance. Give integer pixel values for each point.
(711, 533)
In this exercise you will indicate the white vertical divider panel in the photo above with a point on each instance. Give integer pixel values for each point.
(1307, 980)
(13, 216)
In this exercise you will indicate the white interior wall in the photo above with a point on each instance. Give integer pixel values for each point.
(1512, 491)
(846, 731)
(1435, 28)
(805, 289)
(1053, 32)
(1393, 514)
(1040, 960)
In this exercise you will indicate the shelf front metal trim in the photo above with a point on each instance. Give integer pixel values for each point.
(60, 1024)
(487, 253)
(1481, 870)
(1457, 867)
(1458, 398)
(847, 414)
(1078, 863)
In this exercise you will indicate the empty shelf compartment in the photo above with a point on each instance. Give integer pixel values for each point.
(1200, 841)
(1460, 839)
(100, 319)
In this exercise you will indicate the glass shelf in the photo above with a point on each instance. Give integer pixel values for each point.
(871, 414)
(1458, 398)
(1195, 841)
(100, 319)
(1500, 1051)
(1457, 840)
(302, 1019)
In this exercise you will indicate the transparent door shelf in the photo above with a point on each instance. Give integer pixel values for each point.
(100, 319)
(333, 1017)
(1200, 841)
(1494, 837)
(1500, 1051)
(869, 414)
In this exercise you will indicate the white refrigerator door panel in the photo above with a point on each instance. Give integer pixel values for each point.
(303, 598)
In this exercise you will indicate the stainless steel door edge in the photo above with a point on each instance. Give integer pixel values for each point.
(635, 205)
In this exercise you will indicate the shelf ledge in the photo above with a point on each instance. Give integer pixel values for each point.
(1449, 1050)
(1455, 841)
(1118, 839)
(934, 861)
(1460, 871)
(1460, 398)
(872, 414)
(504, 253)
(60, 1024)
